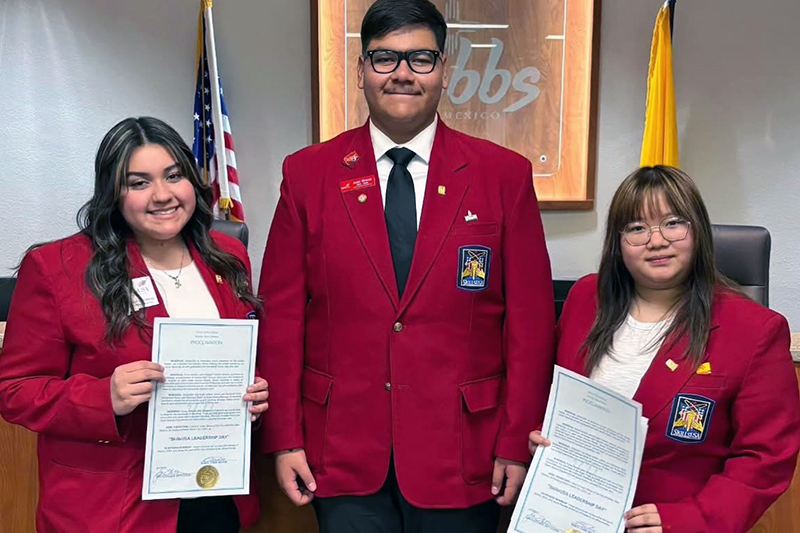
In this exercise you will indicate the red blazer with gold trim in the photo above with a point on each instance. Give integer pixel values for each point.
(445, 379)
(742, 454)
(55, 376)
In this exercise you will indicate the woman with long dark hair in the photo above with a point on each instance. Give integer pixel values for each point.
(711, 368)
(75, 366)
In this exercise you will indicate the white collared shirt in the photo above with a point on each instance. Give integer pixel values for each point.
(421, 145)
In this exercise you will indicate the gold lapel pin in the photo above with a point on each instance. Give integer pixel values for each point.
(442, 190)
(362, 198)
(219, 279)
(672, 365)
(705, 368)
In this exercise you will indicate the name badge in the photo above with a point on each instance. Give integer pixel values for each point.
(357, 184)
(144, 288)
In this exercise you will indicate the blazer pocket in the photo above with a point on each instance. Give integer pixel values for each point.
(480, 424)
(706, 381)
(80, 500)
(470, 229)
(315, 390)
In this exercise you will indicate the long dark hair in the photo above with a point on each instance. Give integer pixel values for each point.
(615, 285)
(101, 220)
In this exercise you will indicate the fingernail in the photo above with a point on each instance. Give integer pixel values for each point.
(495, 490)
(312, 486)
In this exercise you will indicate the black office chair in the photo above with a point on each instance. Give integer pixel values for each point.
(6, 288)
(237, 230)
(743, 256)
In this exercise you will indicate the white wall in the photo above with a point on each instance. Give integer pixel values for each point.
(70, 69)
(737, 74)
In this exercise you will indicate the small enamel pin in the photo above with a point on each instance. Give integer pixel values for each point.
(442, 190)
(470, 216)
(362, 198)
(705, 368)
(351, 159)
(219, 279)
(672, 365)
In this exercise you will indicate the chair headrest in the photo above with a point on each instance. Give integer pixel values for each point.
(237, 230)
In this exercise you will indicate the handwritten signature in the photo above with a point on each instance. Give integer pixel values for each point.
(537, 518)
(214, 460)
(584, 527)
(162, 472)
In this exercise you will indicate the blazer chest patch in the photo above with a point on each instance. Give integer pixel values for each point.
(689, 418)
(473, 267)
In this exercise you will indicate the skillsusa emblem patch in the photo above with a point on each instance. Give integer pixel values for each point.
(473, 267)
(689, 418)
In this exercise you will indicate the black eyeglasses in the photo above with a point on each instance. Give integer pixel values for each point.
(672, 229)
(387, 61)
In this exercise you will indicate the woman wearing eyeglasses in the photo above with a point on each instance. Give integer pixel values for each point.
(711, 368)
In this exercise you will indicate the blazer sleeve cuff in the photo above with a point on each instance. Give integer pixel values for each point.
(269, 442)
(513, 448)
(681, 518)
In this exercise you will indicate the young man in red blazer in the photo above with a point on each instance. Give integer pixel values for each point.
(408, 320)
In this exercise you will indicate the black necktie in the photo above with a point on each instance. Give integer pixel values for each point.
(401, 214)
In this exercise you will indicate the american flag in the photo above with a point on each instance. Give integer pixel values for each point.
(210, 116)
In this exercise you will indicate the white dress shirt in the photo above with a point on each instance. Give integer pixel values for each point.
(421, 145)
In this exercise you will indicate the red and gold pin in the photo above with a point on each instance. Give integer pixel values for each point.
(351, 158)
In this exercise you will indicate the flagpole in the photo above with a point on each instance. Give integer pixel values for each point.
(225, 201)
(671, 17)
(202, 85)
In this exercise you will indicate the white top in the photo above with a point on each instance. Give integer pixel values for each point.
(421, 145)
(631, 354)
(191, 300)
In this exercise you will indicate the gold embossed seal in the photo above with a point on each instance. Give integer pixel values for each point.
(207, 477)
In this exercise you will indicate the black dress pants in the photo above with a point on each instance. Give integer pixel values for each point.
(215, 514)
(388, 512)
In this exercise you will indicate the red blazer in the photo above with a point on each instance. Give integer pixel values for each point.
(444, 378)
(722, 477)
(55, 375)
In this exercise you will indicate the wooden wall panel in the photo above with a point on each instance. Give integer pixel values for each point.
(19, 486)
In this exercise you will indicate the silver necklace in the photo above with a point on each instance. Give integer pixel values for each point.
(174, 278)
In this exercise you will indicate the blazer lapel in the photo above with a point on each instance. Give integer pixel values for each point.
(660, 384)
(446, 169)
(364, 206)
(221, 292)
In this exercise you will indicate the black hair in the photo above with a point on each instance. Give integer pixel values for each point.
(386, 16)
